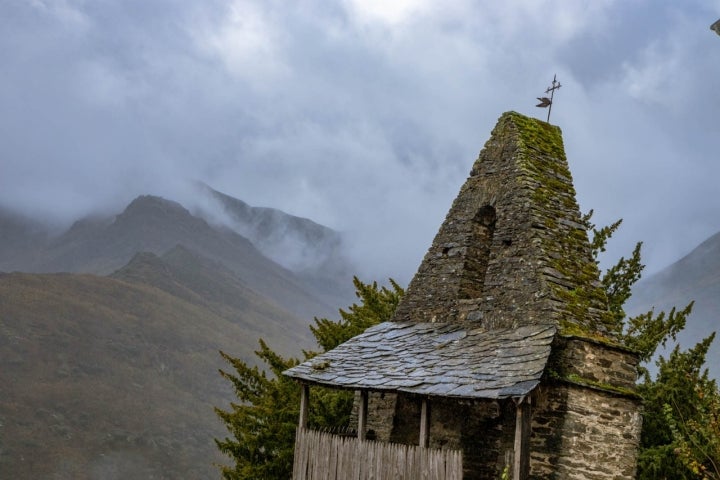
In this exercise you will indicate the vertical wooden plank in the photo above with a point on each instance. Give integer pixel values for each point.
(401, 461)
(386, 454)
(377, 462)
(362, 414)
(353, 457)
(341, 462)
(455, 471)
(304, 402)
(324, 453)
(302, 464)
(521, 460)
(311, 458)
(517, 453)
(296, 455)
(334, 450)
(412, 464)
(439, 466)
(425, 463)
(306, 456)
(424, 423)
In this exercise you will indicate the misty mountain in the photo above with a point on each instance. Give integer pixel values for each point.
(20, 238)
(694, 277)
(312, 251)
(297, 243)
(116, 377)
(101, 245)
(110, 369)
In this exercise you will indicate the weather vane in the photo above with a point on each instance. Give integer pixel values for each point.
(546, 102)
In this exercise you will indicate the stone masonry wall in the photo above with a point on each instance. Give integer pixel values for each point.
(602, 365)
(381, 411)
(435, 292)
(584, 433)
(586, 416)
(512, 250)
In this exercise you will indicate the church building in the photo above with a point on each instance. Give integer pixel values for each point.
(502, 359)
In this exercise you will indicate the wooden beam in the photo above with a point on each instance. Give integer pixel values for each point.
(362, 415)
(304, 402)
(521, 460)
(424, 423)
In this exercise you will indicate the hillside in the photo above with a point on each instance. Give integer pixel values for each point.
(694, 277)
(116, 377)
(110, 371)
(153, 224)
(203, 282)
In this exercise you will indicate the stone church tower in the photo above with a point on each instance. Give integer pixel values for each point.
(503, 346)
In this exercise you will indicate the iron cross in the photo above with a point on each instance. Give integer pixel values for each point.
(546, 102)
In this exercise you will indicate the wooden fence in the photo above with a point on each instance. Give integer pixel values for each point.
(324, 456)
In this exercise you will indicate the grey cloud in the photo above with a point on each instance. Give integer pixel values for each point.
(366, 125)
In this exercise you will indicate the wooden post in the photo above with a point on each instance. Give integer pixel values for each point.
(304, 401)
(362, 415)
(521, 461)
(424, 423)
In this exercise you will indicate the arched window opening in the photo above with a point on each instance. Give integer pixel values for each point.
(478, 253)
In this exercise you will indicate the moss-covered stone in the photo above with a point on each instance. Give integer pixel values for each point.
(541, 156)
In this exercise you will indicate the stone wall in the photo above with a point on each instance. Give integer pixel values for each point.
(512, 250)
(586, 417)
(381, 412)
(603, 365)
(584, 433)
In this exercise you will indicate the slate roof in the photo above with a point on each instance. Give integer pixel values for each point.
(437, 359)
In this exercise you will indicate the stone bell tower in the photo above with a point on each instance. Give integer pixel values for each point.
(513, 252)
(503, 347)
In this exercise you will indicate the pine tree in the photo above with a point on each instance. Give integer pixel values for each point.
(677, 440)
(262, 423)
(698, 439)
(674, 402)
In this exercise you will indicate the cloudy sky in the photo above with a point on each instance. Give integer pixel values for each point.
(364, 115)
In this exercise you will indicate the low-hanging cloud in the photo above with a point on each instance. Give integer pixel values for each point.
(364, 116)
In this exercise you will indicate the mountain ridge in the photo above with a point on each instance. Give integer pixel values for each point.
(149, 223)
(693, 278)
(114, 373)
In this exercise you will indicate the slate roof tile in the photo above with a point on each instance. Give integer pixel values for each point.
(437, 359)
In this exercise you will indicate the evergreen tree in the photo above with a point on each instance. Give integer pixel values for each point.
(678, 440)
(262, 423)
(674, 402)
(698, 439)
